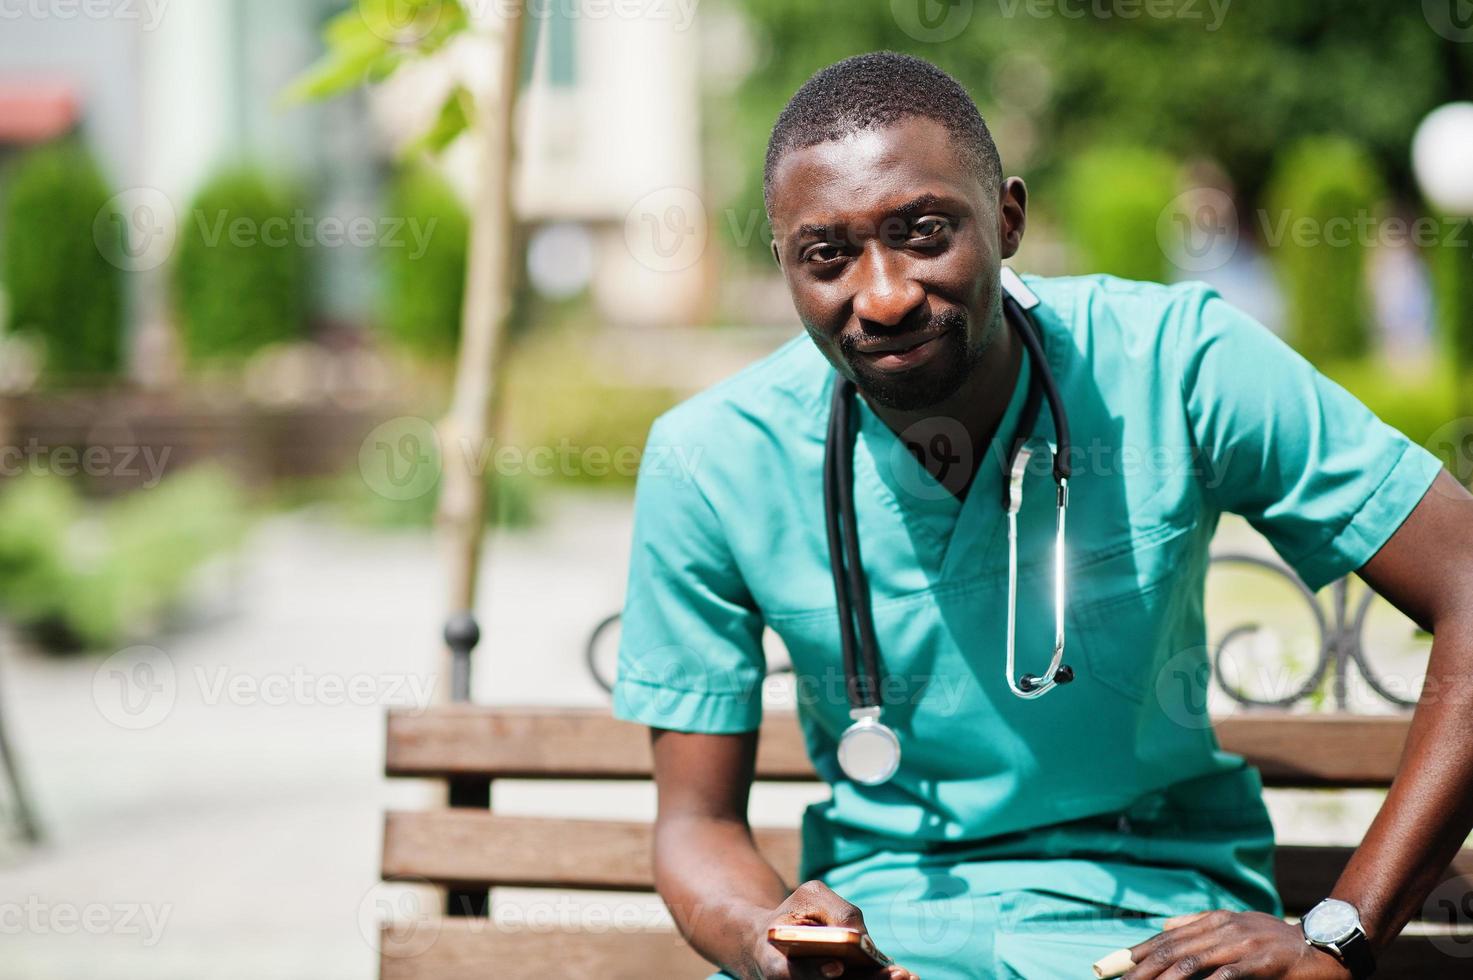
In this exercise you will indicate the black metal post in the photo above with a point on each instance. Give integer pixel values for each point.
(461, 635)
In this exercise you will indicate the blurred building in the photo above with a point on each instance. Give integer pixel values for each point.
(168, 92)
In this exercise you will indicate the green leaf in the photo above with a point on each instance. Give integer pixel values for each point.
(454, 119)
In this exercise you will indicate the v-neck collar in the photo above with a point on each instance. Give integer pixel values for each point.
(928, 509)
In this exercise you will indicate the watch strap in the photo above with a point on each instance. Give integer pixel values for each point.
(1355, 953)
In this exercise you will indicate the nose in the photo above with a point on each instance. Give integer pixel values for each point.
(886, 295)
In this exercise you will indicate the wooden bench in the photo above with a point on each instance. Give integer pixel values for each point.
(470, 848)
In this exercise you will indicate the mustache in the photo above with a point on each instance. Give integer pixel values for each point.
(951, 318)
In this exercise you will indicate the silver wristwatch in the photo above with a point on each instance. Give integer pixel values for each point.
(1334, 926)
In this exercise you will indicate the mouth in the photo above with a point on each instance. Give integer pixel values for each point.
(902, 353)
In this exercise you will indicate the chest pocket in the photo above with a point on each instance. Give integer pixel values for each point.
(1125, 610)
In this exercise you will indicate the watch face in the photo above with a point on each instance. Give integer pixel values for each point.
(1331, 921)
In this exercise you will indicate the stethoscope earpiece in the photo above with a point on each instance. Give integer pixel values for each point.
(869, 750)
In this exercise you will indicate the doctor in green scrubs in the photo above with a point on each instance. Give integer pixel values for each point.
(1018, 838)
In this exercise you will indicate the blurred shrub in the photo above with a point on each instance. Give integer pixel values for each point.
(241, 275)
(85, 579)
(511, 502)
(424, 292)
(1113, 197)
(1452, 284)
(61, 287)
(568, 415)
(1319, 200)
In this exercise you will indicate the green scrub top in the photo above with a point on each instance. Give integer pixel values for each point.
(1111, 789)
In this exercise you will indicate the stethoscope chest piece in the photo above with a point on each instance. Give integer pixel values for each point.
(869, 750)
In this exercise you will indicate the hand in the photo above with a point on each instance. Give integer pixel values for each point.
(811, 904)
(1225, 945)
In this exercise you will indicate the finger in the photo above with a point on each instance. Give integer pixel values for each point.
(1175, 936)
(1189, 956)
(1177, 921)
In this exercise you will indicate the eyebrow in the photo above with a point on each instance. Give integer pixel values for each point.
(914, 207)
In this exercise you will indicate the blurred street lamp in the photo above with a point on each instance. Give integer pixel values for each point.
(1442, 157)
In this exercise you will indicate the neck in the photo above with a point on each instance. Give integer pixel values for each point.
(977, 408)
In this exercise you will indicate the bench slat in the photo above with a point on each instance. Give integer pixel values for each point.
(470, 948)
(481, 848)
(477, 848)
(456, 949)
(569, 743)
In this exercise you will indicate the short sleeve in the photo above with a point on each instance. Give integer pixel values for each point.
(1309, 466)
(690, 654)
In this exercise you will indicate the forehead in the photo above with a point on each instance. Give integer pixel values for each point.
(864, 174)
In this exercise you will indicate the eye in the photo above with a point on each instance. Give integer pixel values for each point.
(822, 252)
(929, 227)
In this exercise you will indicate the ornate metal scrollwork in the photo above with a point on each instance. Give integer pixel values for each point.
(1341, 643)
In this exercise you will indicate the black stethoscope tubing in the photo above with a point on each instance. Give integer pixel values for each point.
(851, 589)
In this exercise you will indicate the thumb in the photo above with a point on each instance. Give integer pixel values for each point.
(833, 968)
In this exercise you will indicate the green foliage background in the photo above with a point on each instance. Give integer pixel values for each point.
(1366, 71)
(423, 294)
(239, 292)
(1317, 182)
(61, 288)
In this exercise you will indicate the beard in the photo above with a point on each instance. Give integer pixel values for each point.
(926, 384)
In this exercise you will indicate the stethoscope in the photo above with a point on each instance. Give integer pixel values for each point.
(869, 751)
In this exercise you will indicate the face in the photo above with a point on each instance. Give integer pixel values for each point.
(891, 247)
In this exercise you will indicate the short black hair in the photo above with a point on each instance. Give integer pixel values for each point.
(872, 90)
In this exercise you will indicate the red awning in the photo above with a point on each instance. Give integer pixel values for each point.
(33, 112)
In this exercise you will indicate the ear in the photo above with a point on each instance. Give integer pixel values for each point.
(1012, 215)
(776, 256)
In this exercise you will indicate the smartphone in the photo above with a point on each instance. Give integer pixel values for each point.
(828, 942)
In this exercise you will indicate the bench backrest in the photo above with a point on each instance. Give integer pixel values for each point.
(476, 848)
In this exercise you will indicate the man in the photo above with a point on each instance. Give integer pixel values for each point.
(1019, 837)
